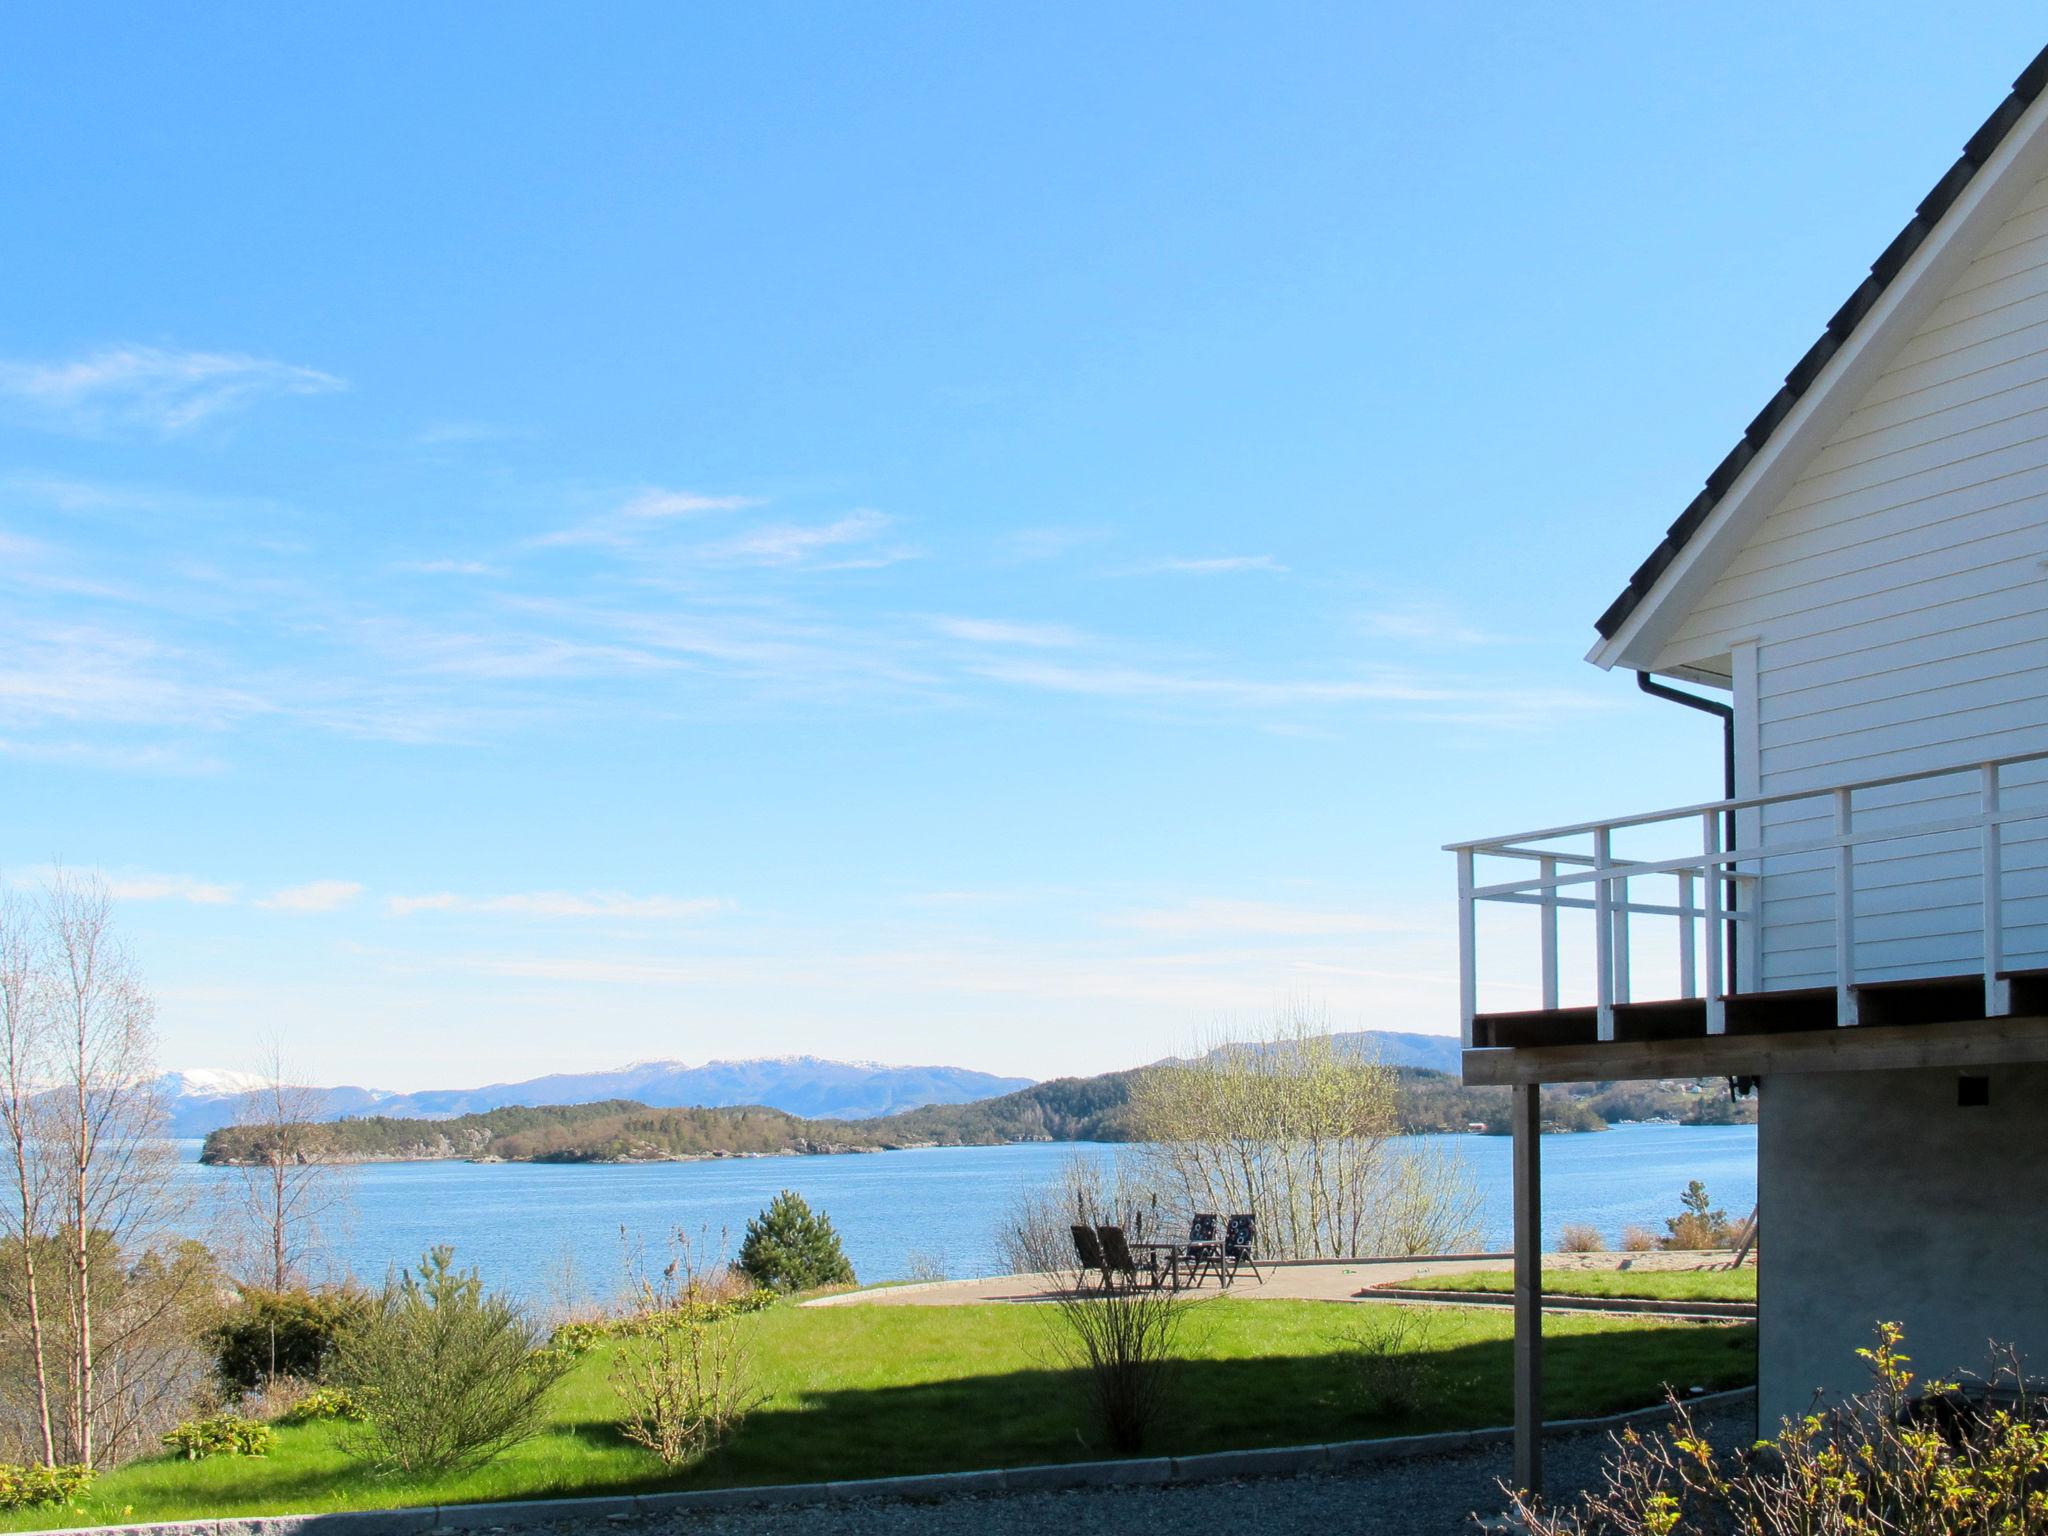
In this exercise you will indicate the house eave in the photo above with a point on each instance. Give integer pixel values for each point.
(1785, 437)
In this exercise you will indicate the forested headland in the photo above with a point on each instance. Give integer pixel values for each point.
(1064, 1109)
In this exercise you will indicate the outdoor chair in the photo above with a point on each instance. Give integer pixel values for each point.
(1118, 1264)
(1240, 1237)
(1088, 1254)
(1202, 1250)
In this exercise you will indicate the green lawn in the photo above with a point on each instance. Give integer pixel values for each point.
(869, 1391)
(1644, 1284)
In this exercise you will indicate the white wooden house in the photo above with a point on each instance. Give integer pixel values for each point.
(1861, 928)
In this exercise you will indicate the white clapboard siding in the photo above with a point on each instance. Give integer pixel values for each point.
(1898, 600)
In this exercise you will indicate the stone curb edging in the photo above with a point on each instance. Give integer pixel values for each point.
(1555, 1302)
(1274, 1461)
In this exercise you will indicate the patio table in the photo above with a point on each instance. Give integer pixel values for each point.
(1172, 1252)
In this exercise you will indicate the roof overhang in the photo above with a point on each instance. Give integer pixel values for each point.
(1881, 316)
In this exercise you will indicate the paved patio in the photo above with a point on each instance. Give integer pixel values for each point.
(1336, 1280)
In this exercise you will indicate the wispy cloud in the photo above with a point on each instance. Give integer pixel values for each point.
(1425, 623)
(1003, 632)
(644, 510)
(1260, 917)
(314, 896)
(132, 885)
(1212, 565)
(565, 904)
(1023, 545)
(85, 673)
(140, 887)
(151, 388)
(1137, 683)
(441, 433)
(447, 568)
(139, 757)
(845, 543)
(1443, 700)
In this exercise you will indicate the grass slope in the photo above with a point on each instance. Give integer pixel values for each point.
(1640, 1284)
(870, 1391)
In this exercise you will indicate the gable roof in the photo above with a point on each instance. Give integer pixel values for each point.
(1983, 144)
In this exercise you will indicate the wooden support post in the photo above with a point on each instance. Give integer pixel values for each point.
(1603, 935)
(1714, 935)
(1468, 948)
(1688, 974)
(1846, 1012)
(1527, 1113)
(1622, 966)
(1997, 990)
(1547, 936)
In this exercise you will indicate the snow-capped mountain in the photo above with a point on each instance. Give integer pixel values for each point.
(203, 1099)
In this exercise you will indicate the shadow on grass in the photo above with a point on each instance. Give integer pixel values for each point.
(1018, 1418)
(995, 1419)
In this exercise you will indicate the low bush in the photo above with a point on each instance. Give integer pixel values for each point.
(325, 1403)
(224, 1434)
(1579, 1237)
(655, 1316)
(790, 1247)
(24, 1487)
(1637, 1239)
(1122, 1340)
(1389, 1352)
(686, 1378)
(449, 1376)
(282, 1333)
(1942, 1460)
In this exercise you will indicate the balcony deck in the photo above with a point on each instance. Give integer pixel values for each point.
(1932, 1021)
(1876, 1012)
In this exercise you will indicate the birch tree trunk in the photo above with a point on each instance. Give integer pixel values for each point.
(24, 1048)
(116, 1194)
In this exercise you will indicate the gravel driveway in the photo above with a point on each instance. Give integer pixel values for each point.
(1429, 1496)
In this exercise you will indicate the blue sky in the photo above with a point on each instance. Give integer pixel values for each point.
(1005, 536)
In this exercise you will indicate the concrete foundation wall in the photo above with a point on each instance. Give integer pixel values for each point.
(1882, 1198)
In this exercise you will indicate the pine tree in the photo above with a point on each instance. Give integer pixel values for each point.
(790, 1247)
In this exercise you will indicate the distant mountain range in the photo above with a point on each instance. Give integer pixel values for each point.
(809, 1087)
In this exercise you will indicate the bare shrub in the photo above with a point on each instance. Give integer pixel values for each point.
(1580, 1237)
(1698, 1224)
(1121, 1337)
(450, 1376)
(684, 1374)
(1636, 1239)
(275, 1398)
(1427, 1203)
(1943, 1460)
(1388, 1350)
(925, 1266)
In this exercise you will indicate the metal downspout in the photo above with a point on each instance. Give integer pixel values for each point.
(1658, 690)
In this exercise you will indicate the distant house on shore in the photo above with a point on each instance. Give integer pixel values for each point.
(1859, 931)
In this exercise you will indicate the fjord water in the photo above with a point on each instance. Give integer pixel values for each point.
(518, 1222)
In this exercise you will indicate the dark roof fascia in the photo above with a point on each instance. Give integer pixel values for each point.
(1982, 145)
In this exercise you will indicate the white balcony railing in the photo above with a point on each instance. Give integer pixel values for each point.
(1716, 906)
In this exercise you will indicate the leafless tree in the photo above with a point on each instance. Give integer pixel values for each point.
(1296, 1130)
(114, 1194)
(292, 1188)
(24, 1047)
